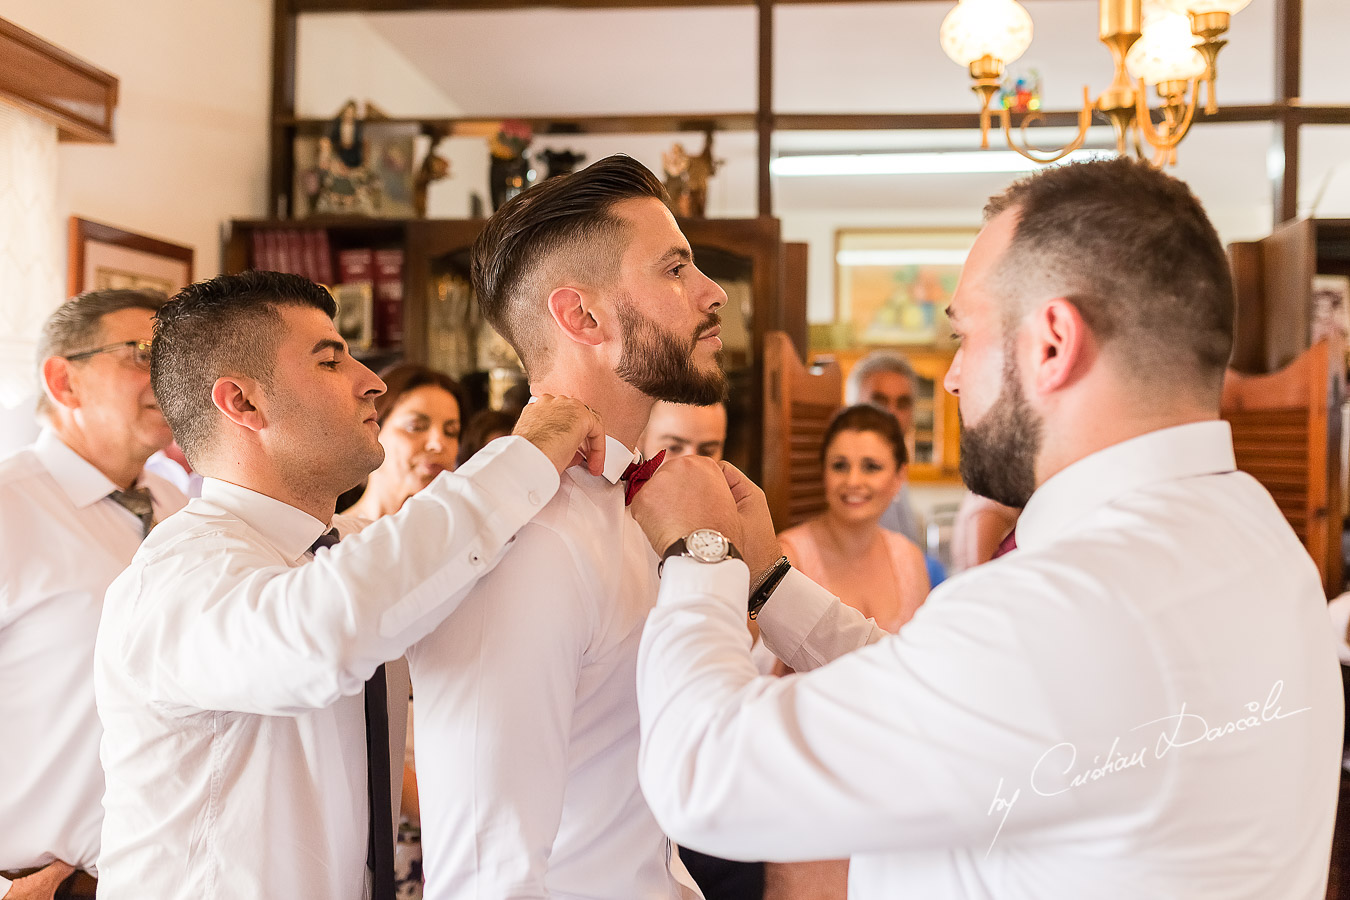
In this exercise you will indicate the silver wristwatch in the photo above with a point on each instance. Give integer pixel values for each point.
(704, 545)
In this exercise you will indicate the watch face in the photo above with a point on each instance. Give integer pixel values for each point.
(707, 545)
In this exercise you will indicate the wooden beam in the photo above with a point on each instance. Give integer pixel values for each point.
(460, 5)
(940, 121)
(693, 123)
(1288, 76)
(281, 161)
(675, 123)
(56, 86)
(764, 113)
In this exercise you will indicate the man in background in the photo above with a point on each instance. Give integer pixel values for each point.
(74, 506)
(683, 430)
(885, 379)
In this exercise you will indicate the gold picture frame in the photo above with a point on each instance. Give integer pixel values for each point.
(104, 257)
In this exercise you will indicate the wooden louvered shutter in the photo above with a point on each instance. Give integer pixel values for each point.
(1287, 435)
(797, 406)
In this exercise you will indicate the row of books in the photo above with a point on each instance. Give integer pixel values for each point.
(384, 270)
(306, 251)
(298, 251)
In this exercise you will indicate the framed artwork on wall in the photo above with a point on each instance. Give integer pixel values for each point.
(103, 257)
(893, 285)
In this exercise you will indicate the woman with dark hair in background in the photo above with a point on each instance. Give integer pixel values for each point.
(881, 573)
(420, 415)
(845, 549)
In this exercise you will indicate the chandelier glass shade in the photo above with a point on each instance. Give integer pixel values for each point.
(978, 28)
(1165, 51)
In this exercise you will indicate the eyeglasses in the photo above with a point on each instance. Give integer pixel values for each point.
(140, 355)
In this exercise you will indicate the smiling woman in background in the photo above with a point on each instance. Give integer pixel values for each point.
(419, 416)
(845, 549)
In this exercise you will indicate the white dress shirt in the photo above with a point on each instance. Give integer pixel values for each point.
(1140, 701)
(62, 541)
(229, 671)
(526, 713)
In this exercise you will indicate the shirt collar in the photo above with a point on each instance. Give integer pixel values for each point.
(81, 480)
(618, 457)
(1169, 454)
(290, 530)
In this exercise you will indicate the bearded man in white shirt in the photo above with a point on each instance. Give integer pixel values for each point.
(526, 715)
(1141, 700)
(242, 758)
(74, 506)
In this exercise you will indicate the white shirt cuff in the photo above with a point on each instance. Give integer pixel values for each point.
(683, 578)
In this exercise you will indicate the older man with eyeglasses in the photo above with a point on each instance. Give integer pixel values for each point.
(74, 506)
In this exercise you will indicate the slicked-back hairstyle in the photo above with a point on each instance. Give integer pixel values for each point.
(77, 325)
(401, 378)
(875, 363)
(228, 326)
(1132, 248)
(561, 230)
(866, 417)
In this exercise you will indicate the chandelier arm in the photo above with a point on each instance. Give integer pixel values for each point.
(1029, 151)
(1174, 135)
(1138, 141)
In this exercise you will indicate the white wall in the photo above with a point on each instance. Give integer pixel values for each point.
(191, 126)
(341, 57)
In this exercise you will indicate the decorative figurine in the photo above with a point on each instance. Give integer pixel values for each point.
(342, 182)
(433, 168)
(687, 177)
(510, 172)
(561, 162)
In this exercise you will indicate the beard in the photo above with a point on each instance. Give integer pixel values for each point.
(661, 365)
(998, 453)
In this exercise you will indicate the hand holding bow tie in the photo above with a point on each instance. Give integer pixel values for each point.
(685, 494)
(568, 432)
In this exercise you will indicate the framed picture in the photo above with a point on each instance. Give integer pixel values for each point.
(892, 286)
(376, 176)
(356, 314)
(102, 257)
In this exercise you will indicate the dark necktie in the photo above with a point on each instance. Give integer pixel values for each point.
(137, 501)
(380, 842)
(638, 474)
(1008, 545)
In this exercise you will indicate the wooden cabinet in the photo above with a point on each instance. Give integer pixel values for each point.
(935, 446)
(440, 325)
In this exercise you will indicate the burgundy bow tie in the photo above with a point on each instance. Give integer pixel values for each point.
(638, 474)
(1008, 545)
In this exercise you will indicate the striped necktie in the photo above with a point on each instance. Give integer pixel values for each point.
(137, 501)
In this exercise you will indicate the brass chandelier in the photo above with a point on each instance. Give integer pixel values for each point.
(1170, 45)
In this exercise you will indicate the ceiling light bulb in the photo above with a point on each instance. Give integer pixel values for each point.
(1165, 51)
(978, 28)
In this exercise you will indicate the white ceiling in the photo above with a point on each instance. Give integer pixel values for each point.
(838, 58)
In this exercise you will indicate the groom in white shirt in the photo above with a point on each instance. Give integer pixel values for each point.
(243, 729)
(525, 705)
